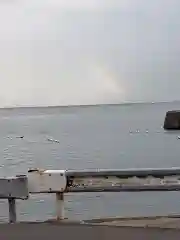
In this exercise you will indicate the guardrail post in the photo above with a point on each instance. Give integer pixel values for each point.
(12, 210)
(49, 181)
(60, 205)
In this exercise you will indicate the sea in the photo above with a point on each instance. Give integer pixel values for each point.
(90, 137)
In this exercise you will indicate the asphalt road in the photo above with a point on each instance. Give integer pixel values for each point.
(46, 231)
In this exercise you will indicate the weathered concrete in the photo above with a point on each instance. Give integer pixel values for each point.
(172, 120)
(164, 222)
(156, 228)
(46, 231)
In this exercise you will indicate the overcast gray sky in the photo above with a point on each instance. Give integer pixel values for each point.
(61, 52)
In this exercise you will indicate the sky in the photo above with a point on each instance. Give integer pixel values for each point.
(71, 52)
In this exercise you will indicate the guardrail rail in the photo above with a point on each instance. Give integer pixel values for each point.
(62, 182)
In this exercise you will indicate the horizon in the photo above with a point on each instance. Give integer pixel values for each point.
(91, 105)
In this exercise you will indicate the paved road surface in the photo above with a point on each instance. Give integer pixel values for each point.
(46, 231)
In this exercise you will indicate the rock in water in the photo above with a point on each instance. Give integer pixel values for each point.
(172, 120)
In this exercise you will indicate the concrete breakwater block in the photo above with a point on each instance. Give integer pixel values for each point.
(172, 120)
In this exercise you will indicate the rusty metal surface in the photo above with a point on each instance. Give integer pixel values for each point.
(125, 173)
(99, 180)
(115, 184)
(150, 188)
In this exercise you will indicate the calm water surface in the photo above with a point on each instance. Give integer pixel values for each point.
(119, 136)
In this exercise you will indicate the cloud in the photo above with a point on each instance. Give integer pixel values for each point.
(86, 52)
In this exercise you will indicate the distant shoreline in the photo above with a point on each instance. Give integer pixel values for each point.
(86, 105)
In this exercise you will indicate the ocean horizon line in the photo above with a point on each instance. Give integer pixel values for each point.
(85, 105)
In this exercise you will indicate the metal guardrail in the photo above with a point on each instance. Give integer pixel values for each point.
(125, 173)
(123, 180)
(12, 189)
(62, 182)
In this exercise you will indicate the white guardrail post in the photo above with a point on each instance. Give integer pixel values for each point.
(49, 181)
(14, 188)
